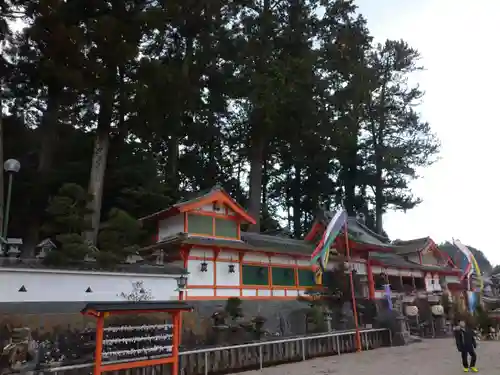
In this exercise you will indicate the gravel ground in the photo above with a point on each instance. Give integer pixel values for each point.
(433, 356)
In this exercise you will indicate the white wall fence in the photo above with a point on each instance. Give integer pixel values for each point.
(43, 285)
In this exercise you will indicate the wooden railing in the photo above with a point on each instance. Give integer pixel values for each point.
(255, 355)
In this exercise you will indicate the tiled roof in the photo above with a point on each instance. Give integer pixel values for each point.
(199, 197)
(249, 241)
(411, 246)
(263, 241)
(395, 260)
(361, 233)
(32, 263)
(358, 231)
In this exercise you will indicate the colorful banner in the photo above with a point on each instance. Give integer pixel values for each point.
(319, 257)
(472, 300)
(388, 296)
(472, 266)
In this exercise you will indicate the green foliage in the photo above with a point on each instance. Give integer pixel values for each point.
(66, 221)
(337, 289)
(233, 308)
(118, 238)
(482, 320)
(67, 210)
(190, 96)
(72, 248)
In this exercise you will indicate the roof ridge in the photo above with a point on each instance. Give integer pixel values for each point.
(363, 226)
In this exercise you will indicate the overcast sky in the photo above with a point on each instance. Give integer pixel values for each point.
(458, 41)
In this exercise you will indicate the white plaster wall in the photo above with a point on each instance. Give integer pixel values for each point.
(221, 209)
(256, 257)
(210, 208)
(249, 292)
(205, 292)
(437, 285)
(170, 226)
(379, 294)
(61, 286)
(199, 252)
(228, 292)
(282, 260)
(229, 255)
(225, 278)
(392, 272)
(429, 285)
(303, 262)
(196, 277)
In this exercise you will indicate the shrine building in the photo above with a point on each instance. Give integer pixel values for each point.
(204, 235)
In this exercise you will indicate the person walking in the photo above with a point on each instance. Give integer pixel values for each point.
(466, 345)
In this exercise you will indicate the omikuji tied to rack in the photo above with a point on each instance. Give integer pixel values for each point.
(121, 347)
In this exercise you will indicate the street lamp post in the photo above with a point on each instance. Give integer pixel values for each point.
(181, 287)
(10, 166)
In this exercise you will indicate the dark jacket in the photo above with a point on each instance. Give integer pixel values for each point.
(465, 339)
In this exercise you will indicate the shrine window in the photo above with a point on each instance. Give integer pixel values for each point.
(255, 275)
(209, 225)
(226, 228)
(306, 278)
(419, 283)
(200, 224)
(283, 276)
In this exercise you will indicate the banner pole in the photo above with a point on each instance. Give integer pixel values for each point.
(351, 281)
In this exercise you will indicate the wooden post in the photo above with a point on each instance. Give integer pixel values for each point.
(353, 297)
(371, 282)
(175, 342)
(99, 335)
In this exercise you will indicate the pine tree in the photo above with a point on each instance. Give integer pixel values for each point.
(399, 141)
(66, 221)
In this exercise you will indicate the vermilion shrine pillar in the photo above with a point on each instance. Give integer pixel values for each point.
(371, 281)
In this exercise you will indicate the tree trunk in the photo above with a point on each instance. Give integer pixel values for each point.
(378, 140)
(48, 130)
(297, 206)
(99, 161)
(257, 133)
(349, 177)
(265, 183)
(1, 166)
(379, 202)
(173, 163)
(255, 198)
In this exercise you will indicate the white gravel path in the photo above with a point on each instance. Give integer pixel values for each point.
(431, 357)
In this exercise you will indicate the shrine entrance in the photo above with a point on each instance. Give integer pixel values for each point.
(126, 346)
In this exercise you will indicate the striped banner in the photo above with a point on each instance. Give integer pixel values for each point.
(319, 257)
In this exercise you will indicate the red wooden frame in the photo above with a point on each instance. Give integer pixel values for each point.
(99, 367)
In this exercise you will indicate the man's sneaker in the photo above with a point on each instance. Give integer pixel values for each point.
(474, 369)
(466, 369)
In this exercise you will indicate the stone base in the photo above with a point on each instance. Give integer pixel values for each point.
(400, 339)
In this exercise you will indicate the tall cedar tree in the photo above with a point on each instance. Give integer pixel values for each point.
(399, 141)
(278, 101)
